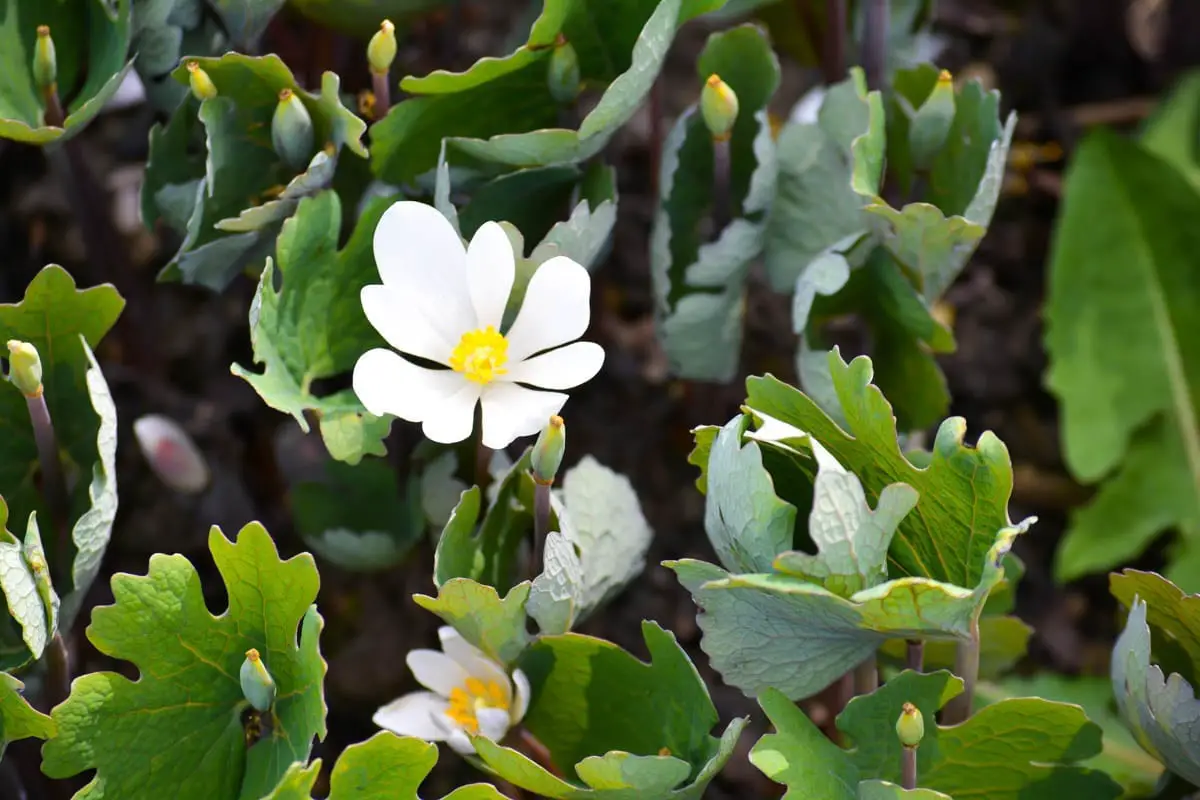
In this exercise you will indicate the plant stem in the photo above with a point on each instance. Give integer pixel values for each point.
(908, 778)
(54, 487)
(58, 671)
(876, 21)
(721, 175)
(656, 135)
(966, 666)
(866, 676)
(833, 52)
(381, 87)
(541, 524)
(915, 656)
(483, 460)
(538, 752)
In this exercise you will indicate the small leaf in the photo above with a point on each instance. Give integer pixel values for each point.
(18, 719)
(27, 592)
(557, 593)
(1017, 749)
(1131, 440)
(188, 662)
(314, 326)
(494, 625)
(653, 733)
(585, 235)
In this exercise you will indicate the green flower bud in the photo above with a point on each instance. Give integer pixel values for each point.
(45, 63)
(202, 85)
(719, 107)
(381, 50)
(25, 368)
(292, 130)
(931, 124)
(257, 684)
(562, 76)
(910, 728)
(548, 450)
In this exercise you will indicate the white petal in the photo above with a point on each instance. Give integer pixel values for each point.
(388, 384)
(493, 723)
(436, 670)
(491, 269)
(414, 715)
(510, 411)
(460, 743)
(474, 660)
(521, 701)
(419, 253)
(561, 368)
(407, 325)
(556, 309)
(453, 419)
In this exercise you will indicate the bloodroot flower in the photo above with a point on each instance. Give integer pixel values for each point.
(470, 694)
(445, 303)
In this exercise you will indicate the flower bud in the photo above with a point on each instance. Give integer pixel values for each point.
(719, 107)
(548, 450)
(910, 728)
(931, 124)
(292, 130)
(562, 76)
(257, 684)
(202, 85)
(381, 50)
(25, 368)
(45, 62)
(171, 453)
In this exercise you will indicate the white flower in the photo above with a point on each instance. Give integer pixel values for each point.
(470, 694)
(443, 303)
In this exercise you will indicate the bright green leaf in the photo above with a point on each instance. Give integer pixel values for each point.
(1170, 132)
(18, 719)
(1124, 345)
(25, 584)
(314, 326)
(188, 661)
(494, 625)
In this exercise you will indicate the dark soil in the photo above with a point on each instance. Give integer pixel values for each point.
(1063, 65)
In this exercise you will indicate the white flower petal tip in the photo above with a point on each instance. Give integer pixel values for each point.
(171, 453)
(472, 695)
(444, 302)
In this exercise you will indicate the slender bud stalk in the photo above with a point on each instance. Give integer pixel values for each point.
(966, 666)
(58, 671)
(381, 52)
(915, 655)
(876, 24)
(866, 676)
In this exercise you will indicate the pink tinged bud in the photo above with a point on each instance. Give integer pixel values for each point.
(172, 454)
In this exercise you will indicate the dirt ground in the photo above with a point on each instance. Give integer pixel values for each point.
(1062, 64)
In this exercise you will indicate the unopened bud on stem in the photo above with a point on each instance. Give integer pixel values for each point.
(562, 76)
(257, 684)
(202, 85)
(718, 107)
(910, 728)
(548, 450)
(292, 130)
(25, 368)
(381, 50)
(45, 62)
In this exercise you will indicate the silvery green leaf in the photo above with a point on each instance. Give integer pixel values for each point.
(1161, 711)
(318, 176)
(20, 589)
(557, 594)
(600, 516)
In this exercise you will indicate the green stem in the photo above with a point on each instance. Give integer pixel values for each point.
(966, 666)
(908, 778)
(833, 53)
(54, 487)
(876, 21)
(915, 655)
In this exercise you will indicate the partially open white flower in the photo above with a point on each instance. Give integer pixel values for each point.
(471, 694)
(444, 303)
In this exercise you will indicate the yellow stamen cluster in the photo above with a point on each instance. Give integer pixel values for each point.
(466, 700)
(481, 355)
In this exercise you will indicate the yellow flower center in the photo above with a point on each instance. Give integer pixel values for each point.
(465, 701)
(481, 355)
